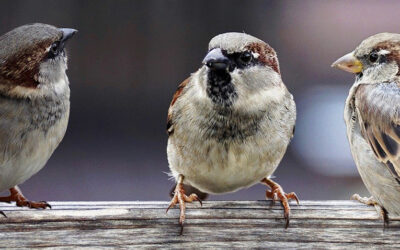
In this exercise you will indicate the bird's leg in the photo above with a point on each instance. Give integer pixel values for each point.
(17, 196)
(276, 193)
(372, 202)
(180, 197)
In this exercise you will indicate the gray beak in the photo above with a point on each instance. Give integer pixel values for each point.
(67, 34)
(216, 60)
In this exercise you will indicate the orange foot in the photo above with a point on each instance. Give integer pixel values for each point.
(180, 197)
(17, 196)
(278, 193)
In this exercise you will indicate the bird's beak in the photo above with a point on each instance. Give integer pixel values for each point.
(67, 34)
(216, 60)
(348, 63)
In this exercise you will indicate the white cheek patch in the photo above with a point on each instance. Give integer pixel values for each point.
(261, 99)
(379, 73)
(274, 94)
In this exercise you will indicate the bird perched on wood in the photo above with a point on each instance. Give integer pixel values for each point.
(372, 116)
(230, 122)
(34, 103)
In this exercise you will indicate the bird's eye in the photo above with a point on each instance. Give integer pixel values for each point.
(54, 49)
(246, 57)
(373, 57)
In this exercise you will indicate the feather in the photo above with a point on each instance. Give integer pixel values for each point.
(378, 108)
(178, 93)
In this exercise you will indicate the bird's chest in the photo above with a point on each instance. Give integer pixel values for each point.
(228, 127)
(351, 118)
(46, 127)
(31, 137)
(360, 149)
(222, 154)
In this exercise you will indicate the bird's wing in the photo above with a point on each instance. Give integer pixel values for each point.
(178, 93)
(378, 108)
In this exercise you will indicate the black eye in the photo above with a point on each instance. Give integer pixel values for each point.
(373, 57)
(54, 49)
(246, 57)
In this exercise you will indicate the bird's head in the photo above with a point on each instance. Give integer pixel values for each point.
(236, 65)
(33, 55)
(376, 59)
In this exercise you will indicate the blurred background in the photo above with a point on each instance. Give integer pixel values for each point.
(129, 56)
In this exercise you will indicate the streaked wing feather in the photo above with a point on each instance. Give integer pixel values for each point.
(378, 108)
(178, 93)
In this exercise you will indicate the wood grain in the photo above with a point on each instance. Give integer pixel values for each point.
(218, 224)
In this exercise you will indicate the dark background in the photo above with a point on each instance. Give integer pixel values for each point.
(129, 56)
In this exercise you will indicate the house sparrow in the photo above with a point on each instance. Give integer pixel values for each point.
(34, 103)
(230, 122)
(372, 116)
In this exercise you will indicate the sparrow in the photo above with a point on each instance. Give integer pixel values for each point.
(372, 117)
(34, 103)
(230, 122)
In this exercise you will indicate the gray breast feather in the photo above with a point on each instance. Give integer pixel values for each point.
(230, 125)
(19, 117)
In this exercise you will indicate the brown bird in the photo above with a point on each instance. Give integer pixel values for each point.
(372, 116)
(34, 103)
(230, 122)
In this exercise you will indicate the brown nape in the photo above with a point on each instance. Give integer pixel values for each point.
(22, 68)
(267, 55)
(394, 48)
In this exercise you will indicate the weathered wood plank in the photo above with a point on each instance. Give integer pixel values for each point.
(314, 224)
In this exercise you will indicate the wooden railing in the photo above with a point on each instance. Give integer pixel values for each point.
(313, 224)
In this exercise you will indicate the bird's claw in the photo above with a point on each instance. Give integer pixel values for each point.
(365, 200)
(33, 204)
(181, 198)
(370, 201)
(277, 193)
(21, 201)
